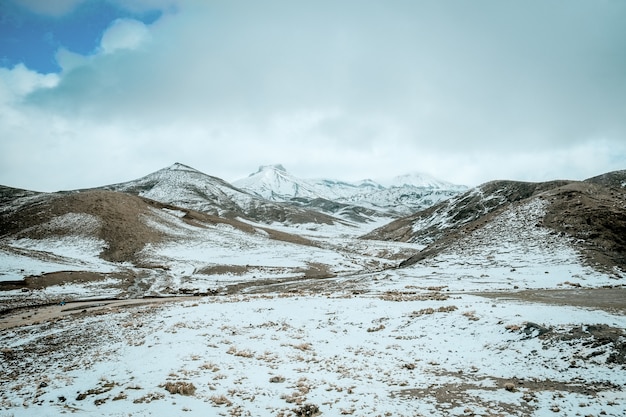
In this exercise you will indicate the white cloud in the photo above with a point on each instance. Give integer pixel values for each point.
(19, 81)
(343, 89)
(124, 34)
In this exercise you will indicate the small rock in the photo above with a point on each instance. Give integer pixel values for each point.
(509, 386)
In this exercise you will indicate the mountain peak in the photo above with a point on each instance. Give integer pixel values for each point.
(273, 167)
(177, 166)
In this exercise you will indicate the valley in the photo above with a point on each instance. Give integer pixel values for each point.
(181, 294)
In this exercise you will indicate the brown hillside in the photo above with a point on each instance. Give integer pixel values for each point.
(592, 213)
(595, 216)
(467, 210)
(120, 220)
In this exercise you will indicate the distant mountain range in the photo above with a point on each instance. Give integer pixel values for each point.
(175, 223)
(183, 186)
(399, 196)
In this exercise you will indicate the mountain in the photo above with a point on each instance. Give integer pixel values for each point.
(616, 179)
(401, 196)
(187, 187)
(421, 180)
(123, 224)
(587, 215)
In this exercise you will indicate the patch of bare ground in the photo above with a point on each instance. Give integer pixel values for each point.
(590, 341)
(120, 220)
(305, 279)
(609, 299)
(596, 217)
(413, 296)
(52, 312)
(465, 393)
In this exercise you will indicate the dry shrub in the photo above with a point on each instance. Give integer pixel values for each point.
(303, 346)
(471, 315)
(180, 387)
(242, 353)
(430, 310)
(307, 410)
(208, 366)
(220, 400)
(376, 329)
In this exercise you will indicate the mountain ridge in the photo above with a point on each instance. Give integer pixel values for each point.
(403, 195)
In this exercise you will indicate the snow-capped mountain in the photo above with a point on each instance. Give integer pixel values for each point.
(187, 187)
(273, 182)
(399, 196)
(420, 180)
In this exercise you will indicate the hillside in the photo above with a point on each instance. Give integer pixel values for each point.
(587, 215)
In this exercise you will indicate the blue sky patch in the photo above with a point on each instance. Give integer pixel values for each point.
(33, 39)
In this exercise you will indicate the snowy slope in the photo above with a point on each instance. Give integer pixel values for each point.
(275, 183)
(400, 196)
(187, 187)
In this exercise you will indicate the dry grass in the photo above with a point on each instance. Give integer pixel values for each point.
(376, 329)
(221, 400)
(430, 310)
(471, 315)
(148, 398)
(302, 346)
(180, 387)
(413, 296)
(246, 353)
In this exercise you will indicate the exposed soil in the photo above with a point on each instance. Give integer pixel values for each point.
(459, 394)
(609, 299)
(596, 217)
(26, 316)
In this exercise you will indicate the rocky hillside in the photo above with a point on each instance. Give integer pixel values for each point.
(591, 214)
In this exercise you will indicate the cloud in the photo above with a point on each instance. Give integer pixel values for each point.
(19, 81)
(466, 91)
(124, 34)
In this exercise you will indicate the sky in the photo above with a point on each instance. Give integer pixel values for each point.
(95, 92)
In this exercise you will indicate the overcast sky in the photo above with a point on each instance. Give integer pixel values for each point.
(94, 92)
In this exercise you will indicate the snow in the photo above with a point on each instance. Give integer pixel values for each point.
(420, 180)
(53, 254)
(346, 354)
(402, 195)
(333, 323)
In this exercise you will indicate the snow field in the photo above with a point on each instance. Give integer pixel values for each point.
(268, 355)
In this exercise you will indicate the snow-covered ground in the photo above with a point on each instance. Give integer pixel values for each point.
(332, 327)
(273, 354)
